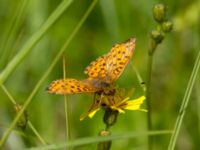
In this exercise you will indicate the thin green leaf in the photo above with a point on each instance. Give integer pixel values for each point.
(34, 39)
(184, 104)
(15, 23)
(89, 140)
(45, 75)
(29, 122)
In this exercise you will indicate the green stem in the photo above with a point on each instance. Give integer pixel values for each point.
(12, 30)
(184, 104)
(34, 40)
(67, 118)
(90, 140)
(66, 105)
(8, 94)
(29, 123)
(36, 133)
(109, 118)
(148, 97)
(46, 74)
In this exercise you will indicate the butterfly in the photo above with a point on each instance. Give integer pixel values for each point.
(102, 73)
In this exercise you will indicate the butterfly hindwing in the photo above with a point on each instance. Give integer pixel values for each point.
(97, 68)
(101, 73)
(70, 86)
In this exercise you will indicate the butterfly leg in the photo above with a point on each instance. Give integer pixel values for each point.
(111, 96)
(95, 102)
(93, 107)
(100, 101)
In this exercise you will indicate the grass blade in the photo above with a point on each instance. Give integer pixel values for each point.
(40, 138)
(29, 122)
(33, 40)
(66, 104)
(45, 75)
(15, 23)
(89, 140)
(184, 104)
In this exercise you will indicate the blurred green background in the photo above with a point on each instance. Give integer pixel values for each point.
(110, 22)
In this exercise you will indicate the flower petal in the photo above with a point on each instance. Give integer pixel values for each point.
(118, 109)
(92, 113)
(135, 104)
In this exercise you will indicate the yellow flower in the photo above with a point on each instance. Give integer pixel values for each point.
(115, 104)
(129, 104)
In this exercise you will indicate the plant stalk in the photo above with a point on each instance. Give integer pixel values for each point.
(184, 104)
(148, 97)
(66, 104)
(45, 75)
(29, 122)
(33, 40)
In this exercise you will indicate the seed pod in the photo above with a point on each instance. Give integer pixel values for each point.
(167, 26)
(159, 12)
(22, 122)
(157, 36)
(110, 117)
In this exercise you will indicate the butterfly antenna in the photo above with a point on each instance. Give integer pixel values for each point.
(141, 81)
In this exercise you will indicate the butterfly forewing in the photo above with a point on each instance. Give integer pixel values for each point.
(70, 86)
(109, 67)
(102, 72)
(118, 58)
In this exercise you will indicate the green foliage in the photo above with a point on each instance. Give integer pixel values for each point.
(34, 36)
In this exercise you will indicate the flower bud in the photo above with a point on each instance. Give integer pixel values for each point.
(157, 36)
(167, 26)
(159, 12)
(110, 117)
(22, 122)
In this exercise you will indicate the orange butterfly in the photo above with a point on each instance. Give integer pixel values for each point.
(102, 72)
